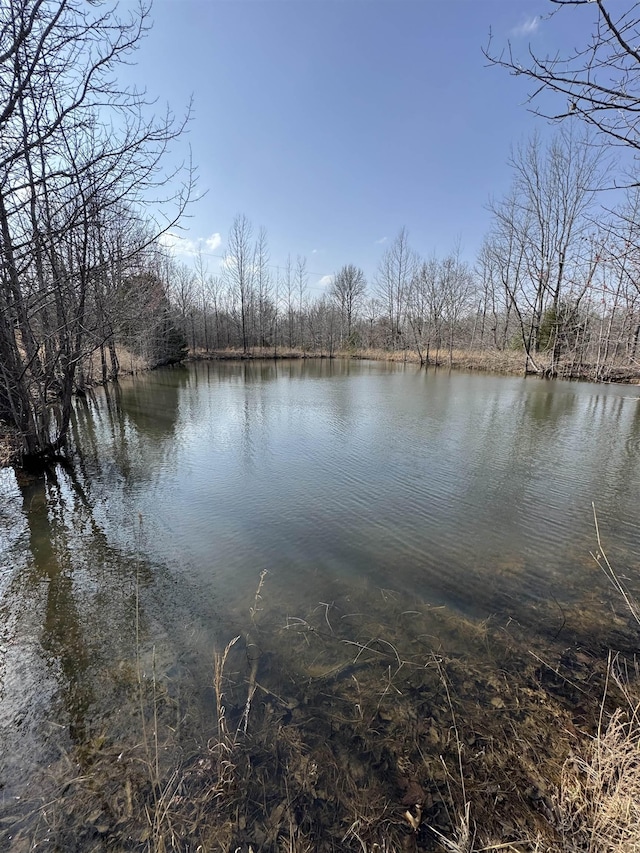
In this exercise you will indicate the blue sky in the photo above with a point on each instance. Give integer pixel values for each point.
(334, 123)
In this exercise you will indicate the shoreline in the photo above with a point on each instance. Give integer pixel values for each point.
(496, 362)
(503, 363)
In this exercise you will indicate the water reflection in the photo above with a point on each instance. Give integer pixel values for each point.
(63, 641)
(449, 482)
(68, 613)
(152, 402)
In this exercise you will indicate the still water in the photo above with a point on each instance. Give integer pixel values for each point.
(346, 481)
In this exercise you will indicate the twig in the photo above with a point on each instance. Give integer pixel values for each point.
(603, 561)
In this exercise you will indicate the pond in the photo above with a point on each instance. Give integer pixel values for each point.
(370, 532)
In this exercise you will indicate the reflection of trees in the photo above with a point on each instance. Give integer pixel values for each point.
(75, 609)
(267, 370)
(152, 403)
(547, 405)
(62, 636)
(125, 430)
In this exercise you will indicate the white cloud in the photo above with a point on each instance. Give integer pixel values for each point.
(314, 251)
(185, 246)
(527, 27)
(325, 281)
(214, 242)
(381, 241)
(176, 244)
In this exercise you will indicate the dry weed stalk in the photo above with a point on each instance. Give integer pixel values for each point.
(219, 663)
(603, 561)
(464, 837)
(224, 743)
(253, 611)
(253, 657)
(363, 826)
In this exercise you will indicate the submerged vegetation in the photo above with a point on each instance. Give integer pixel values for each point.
(403, 727)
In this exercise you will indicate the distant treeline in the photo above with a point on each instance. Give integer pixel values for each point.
(556, 280)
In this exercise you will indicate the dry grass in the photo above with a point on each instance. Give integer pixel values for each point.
(130, 364)
(599, 798)
(599, 802)
(508, 362)
(493, 361)
(236, 354)
(10, 446)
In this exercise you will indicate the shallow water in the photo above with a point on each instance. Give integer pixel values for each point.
(354, 484)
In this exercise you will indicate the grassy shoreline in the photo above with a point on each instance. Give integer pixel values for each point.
(502, 362)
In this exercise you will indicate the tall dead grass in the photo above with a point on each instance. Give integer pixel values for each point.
(508, 362)
(599, 802)
(130, 364)
(10, 446)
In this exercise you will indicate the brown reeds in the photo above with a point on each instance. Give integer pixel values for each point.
(491, 360)
(599, 802)
(10, 445)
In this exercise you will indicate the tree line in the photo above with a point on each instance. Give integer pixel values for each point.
(253, 305)
(84, 277)
(555, 283)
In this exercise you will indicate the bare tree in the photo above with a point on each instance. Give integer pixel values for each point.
(495, 306)
(263, 287)
(75, 155)
(423, 309)
(539, 229)
(371, 319)
(184, 294)
(323, 322)
(288, 295)
(615, 290)
(348, 289)
(439, 295)
(202, 285)
(301, 286)
(239, 272)
(456, 290)
(505, 250)
(397, 269)
(215, 298)
(599, 82)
